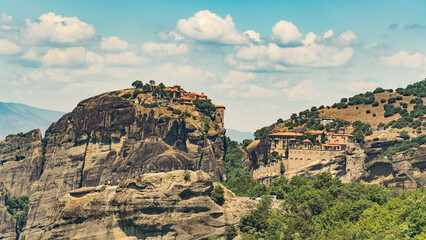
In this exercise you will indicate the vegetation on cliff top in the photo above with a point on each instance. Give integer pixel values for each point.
(326, 208)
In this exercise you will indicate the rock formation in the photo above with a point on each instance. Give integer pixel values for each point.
(105, 138)
(151, 206)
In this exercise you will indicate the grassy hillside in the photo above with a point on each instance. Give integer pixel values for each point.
(367, 113)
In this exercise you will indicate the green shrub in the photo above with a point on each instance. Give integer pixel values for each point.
(18, 207)
(217, 195)
(399, 98)
(368, 111)
(136, 92)
(375, 104)
(382, 100)
(378, 90)
(177, 111)
(230, 232)
(391, 100)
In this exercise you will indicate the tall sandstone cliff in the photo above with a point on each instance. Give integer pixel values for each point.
(105, 138)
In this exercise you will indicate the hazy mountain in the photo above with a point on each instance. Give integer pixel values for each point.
(16, 117)
(237, 135)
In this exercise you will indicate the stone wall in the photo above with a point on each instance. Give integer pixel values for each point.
(300, 158)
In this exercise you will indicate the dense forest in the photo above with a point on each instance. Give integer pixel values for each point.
(326, 208)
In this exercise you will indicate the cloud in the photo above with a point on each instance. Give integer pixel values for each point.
(124, 59)
(304, 90)
(414, 27)
(255, 91)
(172, 36)
(346, 38)
(8, 48)
(206, 26)
(284, 32)
(254, 36)
(235, 78)
(113, 44)
(393, 26)
(358, 86)
(312, 55)
(164, 49)
(173, 74)
(69, 57)
(54, 29)
(403, 59)
(53, 75)
(7, 23)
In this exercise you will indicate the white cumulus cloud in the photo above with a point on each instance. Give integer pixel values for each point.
(206, 26)
(235, 78)
(8, 48)
(284, 32)
(254, 36)
(73, 57)
(124, 59)
(164, 49)
(403, 59)
(302, 91)
(114, 44)
(52, 28)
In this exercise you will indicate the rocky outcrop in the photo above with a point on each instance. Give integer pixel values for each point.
(375, 146)
(151, 206)
(105, 138)
(21, 162)
(400, 172)
(253, 156)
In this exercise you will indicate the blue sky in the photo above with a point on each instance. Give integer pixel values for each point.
(263, 59)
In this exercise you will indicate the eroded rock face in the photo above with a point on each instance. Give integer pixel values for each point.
(106, 138)
(21, 162)
(151, 206)
(374, 147)
(400, 172)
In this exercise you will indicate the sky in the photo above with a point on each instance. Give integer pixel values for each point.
(264, 60)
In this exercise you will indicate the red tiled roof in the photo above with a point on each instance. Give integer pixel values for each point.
(193, 93)
(218, 106)
(307, 141)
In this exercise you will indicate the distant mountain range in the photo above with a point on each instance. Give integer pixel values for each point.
(237, 135)
(16, 117)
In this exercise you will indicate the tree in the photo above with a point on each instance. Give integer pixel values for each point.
(261, 133)
(151, 82)
(359, 136)
(137, 84)
(162, 86)
(404, 135)
(280, 120)
(378, 90)
(217, 195)
(230, 232)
